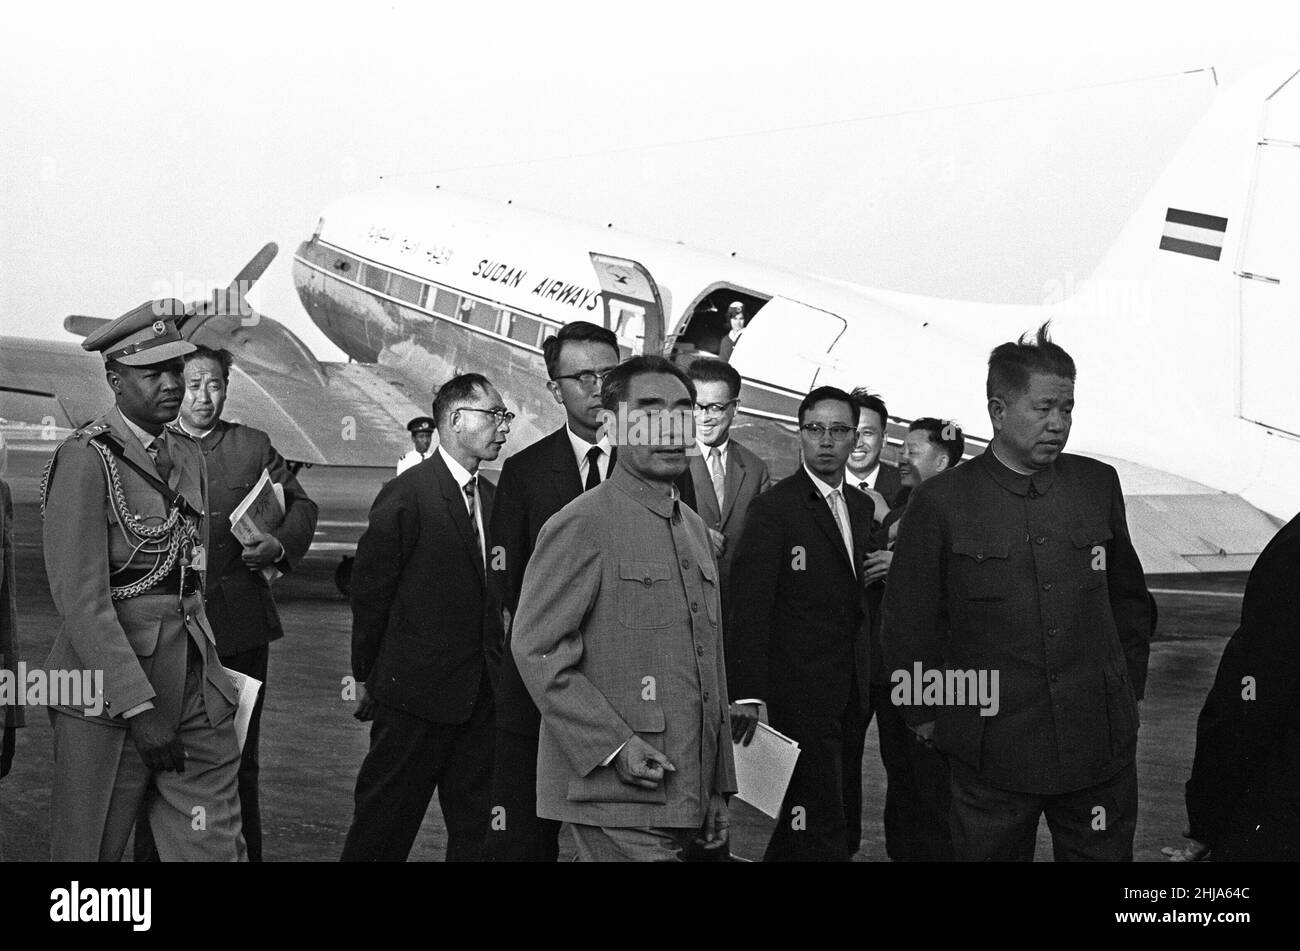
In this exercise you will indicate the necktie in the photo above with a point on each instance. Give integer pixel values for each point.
(841, 513)
(593, 468)
(718, 474)
(162, 460)
(471, 498)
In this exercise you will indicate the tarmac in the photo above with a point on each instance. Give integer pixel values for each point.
(312, 747)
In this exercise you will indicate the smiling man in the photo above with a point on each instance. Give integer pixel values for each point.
(618, 639)
(1019, 562)
(726, 475)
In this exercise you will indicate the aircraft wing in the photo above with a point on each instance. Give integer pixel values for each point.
(333, 414)
(1181, 526)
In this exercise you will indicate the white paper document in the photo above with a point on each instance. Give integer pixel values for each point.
(764, 768)
(260, 512)
(246, 691)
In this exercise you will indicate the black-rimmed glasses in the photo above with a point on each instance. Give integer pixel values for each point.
(500, 415)
(588, 378)
(838, 433)
(715, 409)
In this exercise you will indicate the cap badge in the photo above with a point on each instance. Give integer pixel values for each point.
(159, 328)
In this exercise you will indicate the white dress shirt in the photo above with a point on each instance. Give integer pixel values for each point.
(872, 477)
(462, 477)
(580, 449)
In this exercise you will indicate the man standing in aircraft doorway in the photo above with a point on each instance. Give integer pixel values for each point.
(536, 483)
(1014, 577)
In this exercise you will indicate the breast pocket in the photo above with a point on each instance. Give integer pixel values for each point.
(644, 588)
(1091, 549)
(979, 568)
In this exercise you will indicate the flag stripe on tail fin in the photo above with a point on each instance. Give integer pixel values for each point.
(1189, 232)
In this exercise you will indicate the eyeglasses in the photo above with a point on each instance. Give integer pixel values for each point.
(715, 409)
(588, 378)
(500, 415)
(838, 433)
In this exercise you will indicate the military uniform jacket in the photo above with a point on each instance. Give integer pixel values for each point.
(619, 632)
(1035, 578)
(239, 601)
(139, 643)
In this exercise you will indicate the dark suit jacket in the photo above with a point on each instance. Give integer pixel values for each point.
(535, 483)
(746, 477)
(889, 483)
(1035, 579)
(426, 622)
(797, 626)
(1247, 767)
(239, 602)
(11, 715)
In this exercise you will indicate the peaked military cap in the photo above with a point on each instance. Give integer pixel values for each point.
(421, 424)
(143, 336)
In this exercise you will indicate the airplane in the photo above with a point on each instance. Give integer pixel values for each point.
(1184, 336)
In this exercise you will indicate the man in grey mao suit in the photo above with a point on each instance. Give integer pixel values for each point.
(618, 639)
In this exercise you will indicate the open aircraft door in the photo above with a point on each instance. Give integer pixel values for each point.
(785, 346)
(633, 308)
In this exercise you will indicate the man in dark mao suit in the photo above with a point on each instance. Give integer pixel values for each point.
(238, 597)
(1019, 564)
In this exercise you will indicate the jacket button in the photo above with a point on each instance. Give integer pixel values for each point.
(695, 606)
(699, 650)
(1047, 586)
(1041, 539)
(1051, 631)
(686, 562)
(979, 556)
(646, 582)
(1054, 678)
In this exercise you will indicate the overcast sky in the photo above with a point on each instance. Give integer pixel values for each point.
(963, 150)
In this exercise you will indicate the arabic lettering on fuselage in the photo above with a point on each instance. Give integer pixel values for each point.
(433, 253)
(548, 288)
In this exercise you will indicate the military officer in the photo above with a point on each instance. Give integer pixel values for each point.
(123, 502)
(421, 429)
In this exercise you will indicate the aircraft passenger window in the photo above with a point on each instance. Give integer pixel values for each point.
(444, 302)
(406, 289)
(375, 278)
(524, 329)
(481, 314)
